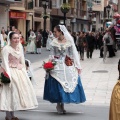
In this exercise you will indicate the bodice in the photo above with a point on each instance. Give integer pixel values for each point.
(14, 62)
(61, 50)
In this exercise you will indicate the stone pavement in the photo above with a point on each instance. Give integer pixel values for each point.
(98, 78)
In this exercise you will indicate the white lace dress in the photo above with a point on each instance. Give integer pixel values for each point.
(19, 94)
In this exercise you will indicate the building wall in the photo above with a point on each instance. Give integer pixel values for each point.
(99, 7)
(3, 17)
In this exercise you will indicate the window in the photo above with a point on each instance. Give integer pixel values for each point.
(54, 3)
(97, 1)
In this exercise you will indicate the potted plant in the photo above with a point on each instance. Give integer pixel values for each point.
(65, 7)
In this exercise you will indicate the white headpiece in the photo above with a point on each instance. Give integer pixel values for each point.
(70, 38)
(8, 38)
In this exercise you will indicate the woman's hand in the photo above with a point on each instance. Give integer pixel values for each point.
(79, 71)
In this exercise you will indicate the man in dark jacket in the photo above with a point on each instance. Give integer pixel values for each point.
(90, 44)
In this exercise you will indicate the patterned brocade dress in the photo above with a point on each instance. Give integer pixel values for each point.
(19, 94)
(63, 85)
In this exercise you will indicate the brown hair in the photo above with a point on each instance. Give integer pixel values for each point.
(58, 29)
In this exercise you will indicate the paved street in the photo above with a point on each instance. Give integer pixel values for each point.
(98, 79)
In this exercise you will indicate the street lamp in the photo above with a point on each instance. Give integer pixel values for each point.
(65, 9)
(45, 5)
(108, 8)
(90, 18)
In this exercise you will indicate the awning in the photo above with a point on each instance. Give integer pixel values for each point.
(17, 15)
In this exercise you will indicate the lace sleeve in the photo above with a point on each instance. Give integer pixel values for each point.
(52, 53)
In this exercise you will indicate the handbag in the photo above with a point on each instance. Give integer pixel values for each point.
(5, 78)
(68, 61)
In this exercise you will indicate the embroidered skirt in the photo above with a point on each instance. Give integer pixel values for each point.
(53, 92)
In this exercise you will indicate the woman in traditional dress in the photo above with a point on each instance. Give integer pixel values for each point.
(114, 113)
(63, 84)
(38, 42)
(4, 36)
(31, 47)
(19, 93)
(49, 40)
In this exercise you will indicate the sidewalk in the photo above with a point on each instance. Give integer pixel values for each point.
(98, 78)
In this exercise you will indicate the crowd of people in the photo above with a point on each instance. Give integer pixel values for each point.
(90, 41)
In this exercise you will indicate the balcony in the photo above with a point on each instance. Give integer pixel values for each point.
(17, 6)
(5, 2)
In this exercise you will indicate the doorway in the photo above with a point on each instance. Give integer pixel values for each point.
(13, 22)
(27, 29)
(37, 26)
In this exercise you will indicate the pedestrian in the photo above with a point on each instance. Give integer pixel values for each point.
(101, 45)
(31, 47)
(81, 45)
(13, 29)
(114, 112)
(8, 30)
(63, 84)
(38, 42)
(49, 40)
(19, 93)
(109, 43)
(4, 36)
(1, 41)
(28, 34)
(113, 35)
(90, 44)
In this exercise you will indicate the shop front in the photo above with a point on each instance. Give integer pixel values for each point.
(18, 19)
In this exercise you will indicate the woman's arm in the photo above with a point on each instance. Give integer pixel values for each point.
(52, 53)
(5, 61)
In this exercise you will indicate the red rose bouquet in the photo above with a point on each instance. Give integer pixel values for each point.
(49, 66)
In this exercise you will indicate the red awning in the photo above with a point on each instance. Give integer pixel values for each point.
(17, 15)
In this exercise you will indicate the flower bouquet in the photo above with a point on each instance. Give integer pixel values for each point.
(49, 66)
(5, 78)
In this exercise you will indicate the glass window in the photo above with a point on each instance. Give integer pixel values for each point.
(54, 3)
(97, 1)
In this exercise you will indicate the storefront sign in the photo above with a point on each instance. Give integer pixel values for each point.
(17, 15)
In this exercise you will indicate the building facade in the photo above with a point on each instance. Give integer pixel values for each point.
(28, 14)
(4, 13)
(76, 18)
(98, 10)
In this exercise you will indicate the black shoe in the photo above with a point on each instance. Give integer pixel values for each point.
(109, 56)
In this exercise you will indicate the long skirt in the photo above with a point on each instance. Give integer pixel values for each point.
(115, 103)
(53, 92)
(19, 94)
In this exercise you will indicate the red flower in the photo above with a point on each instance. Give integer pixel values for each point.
(48, 65)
